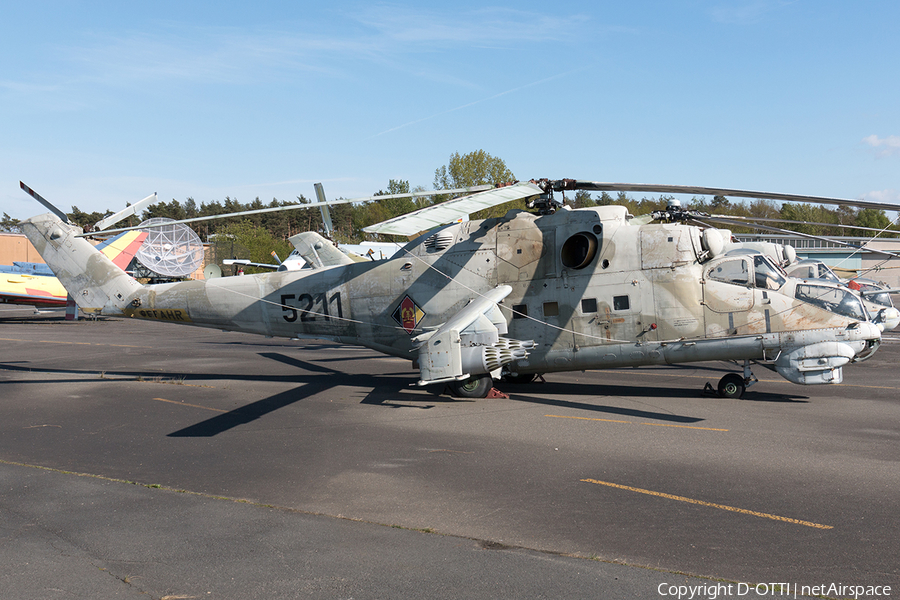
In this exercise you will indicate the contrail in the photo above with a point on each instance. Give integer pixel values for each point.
(521, 87)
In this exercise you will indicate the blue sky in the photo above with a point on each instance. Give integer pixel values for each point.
(105, 103)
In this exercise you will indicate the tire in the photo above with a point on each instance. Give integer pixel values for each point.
(474, 387)
(731, 386)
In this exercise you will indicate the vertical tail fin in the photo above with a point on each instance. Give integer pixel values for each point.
(96, 283)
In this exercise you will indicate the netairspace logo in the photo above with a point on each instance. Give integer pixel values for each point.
(714, 591)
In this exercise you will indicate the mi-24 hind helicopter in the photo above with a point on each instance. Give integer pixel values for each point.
(528, 293)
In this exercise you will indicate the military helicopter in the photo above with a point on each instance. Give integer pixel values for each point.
(556, 289)
(875, 295)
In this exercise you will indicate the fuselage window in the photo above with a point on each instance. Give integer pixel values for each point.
(551, 309)
(732, 271)
(520, 311)
(621, 303)
(588, 305)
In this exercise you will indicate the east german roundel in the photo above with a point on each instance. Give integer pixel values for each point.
(408, 314)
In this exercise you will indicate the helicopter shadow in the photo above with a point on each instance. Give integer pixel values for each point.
(318, 379)
(750, 396)
(553, 394)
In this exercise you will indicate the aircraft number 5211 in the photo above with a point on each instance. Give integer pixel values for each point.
(310, 306)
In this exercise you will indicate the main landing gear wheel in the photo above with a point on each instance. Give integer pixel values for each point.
(732, 386)
(474, 387)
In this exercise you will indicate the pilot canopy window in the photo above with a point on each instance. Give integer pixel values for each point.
(832, 299)
(735, 271)
(767, 274)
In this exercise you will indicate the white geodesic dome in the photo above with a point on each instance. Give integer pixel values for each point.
(171, 249)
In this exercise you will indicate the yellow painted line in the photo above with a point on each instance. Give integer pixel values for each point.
(192, 405)
(710, 504)
(683, 426)
(632, 423)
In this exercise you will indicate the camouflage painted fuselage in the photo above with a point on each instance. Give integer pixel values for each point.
(590, 288)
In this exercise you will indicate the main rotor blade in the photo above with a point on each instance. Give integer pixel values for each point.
(711, 191)
(465, 190)
(751, 220)
(323, 209)
(126, 212)
(45, 202)
(447, 212)
(790, 232)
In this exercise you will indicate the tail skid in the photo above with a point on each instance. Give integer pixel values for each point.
(90, 277)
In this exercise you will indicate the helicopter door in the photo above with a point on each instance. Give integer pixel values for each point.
(727, 294)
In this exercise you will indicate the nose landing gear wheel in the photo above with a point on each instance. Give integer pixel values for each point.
(732, 386)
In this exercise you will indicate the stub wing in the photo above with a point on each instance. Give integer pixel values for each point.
(470, 343)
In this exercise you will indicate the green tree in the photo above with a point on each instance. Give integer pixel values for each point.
(605, 200)
(396, 206)
(476, 168)
(9, 224)
(86, 220)
(764, 209)
(870, 217)
(808, 215)
(583, 199)
(254, 243)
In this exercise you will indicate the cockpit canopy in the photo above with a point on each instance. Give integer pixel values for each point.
(813, 269)
(764, 274)
(874, 292)
(833, 299)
